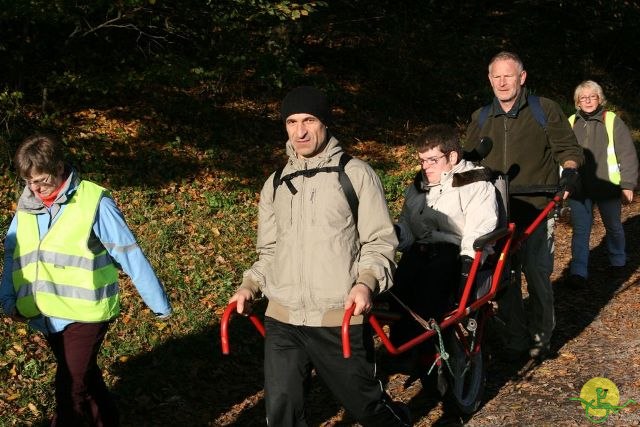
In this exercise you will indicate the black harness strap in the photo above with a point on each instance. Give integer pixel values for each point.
(347, 187)
(343, 178)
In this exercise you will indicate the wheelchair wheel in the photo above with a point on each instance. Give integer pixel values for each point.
(466, 385)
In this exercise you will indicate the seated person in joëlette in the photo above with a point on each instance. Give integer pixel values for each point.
(450, 204)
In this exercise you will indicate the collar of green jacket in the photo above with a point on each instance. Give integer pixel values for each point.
(597, 114)
(521, 102)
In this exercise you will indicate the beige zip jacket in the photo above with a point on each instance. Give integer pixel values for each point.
(458, 210)
(310, 251)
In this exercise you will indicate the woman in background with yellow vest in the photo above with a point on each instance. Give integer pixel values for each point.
(609, 175)
(63, 250)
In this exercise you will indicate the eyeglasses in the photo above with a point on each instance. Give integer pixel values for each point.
(431, 160)
(587, 98)
(42, 182)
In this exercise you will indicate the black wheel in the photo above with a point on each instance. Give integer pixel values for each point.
(467, 383)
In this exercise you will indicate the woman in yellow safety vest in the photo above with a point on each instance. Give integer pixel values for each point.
(63, 250)
(609, 176)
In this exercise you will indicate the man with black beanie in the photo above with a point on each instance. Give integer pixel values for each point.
(320, 254)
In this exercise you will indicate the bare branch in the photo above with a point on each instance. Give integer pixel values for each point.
(115, 23)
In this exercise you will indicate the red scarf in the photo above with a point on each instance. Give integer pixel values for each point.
(48, 200)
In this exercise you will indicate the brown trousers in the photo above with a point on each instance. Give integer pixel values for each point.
(82, 397)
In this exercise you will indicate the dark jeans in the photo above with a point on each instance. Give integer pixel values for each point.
(82, 397)
(426, 280)
(290, 354)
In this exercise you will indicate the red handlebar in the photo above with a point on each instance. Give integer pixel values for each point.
(541, 217)
(463, 309)
(224, 325)
(346, 343)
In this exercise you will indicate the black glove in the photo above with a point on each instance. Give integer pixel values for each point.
(465, 267)
(570, 180)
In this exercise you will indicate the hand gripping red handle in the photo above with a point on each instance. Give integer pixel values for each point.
(224, 325)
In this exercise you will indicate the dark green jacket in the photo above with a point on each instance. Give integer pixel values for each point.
(529, 153)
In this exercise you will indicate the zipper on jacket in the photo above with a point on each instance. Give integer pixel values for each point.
(504, 146)
(302, 228)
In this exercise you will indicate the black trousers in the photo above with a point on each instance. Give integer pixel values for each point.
(82, 397)
(291, 352)
(426, 280)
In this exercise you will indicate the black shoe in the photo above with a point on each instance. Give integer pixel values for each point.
(404, 413)
(510, 356)
(539, 352)
(575, 281)
(617, 271)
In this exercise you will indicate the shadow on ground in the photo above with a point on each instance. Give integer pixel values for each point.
(202, 390)
(575, 309)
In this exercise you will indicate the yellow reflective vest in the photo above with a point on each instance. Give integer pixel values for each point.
(60, 276)
(612, 161)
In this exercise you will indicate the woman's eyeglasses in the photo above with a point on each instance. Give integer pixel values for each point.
(588, 98)
(40, 182)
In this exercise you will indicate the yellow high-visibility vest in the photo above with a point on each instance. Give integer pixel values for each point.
(60, 276)
(612, 161)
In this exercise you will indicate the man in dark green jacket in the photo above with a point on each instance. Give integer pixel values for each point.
(529, 149)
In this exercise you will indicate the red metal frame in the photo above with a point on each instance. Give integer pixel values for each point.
(224, 325)
(541, 217)
(453, 318)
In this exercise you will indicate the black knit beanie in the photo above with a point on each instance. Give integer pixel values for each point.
(309, 100)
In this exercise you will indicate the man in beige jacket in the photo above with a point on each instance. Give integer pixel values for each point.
(318, 256)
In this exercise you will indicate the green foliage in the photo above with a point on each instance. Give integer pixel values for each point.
(10, 108)
(394, 185)
(225, 201)
(94, 49)
(10, 111)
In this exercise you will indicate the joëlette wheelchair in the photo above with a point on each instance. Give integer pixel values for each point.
(458, 337)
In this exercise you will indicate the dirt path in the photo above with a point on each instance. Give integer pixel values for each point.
(597, 335)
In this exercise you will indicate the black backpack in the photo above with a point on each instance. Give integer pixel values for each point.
(345, 182)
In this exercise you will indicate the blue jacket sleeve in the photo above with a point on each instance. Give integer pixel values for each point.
(116, 236)
(7, 294)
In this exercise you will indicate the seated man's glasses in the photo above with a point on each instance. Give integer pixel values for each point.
(431, 160)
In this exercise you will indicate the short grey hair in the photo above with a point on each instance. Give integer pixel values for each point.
(504, 56)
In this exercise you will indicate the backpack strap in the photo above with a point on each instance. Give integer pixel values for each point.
(343, 178)
(277, 181)
(536, 110)
(347, 186)
(484, 114)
